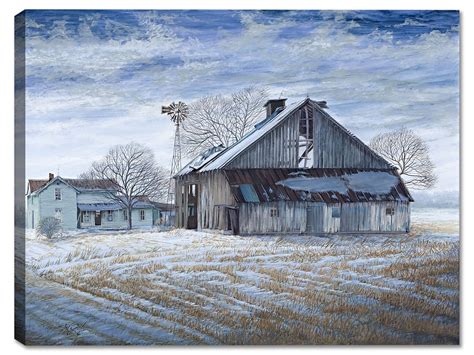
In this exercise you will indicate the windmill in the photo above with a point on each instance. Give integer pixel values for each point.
(177, 112)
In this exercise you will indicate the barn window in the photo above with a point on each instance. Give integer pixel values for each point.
(273, 212)
(248, 193)
(336, 212)
(142, 215)
(110, 216)
(390, 211)
(125, 215)
(57, 194)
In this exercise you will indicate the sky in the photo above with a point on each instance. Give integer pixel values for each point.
(95, 79)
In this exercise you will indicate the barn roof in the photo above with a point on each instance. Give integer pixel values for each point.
(220, 158)
(79, 184)
(327, 185)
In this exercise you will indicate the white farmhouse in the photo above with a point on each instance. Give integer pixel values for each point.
(81, 203)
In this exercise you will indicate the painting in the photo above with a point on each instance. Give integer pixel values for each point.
(237, 177)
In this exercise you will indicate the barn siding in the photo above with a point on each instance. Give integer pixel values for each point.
(372, 217)
(278, 148)
(335, 148)
(256, 217)
(213, 194)
(314, 218)
(320, 218)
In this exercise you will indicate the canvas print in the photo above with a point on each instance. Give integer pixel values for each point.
(237, 177)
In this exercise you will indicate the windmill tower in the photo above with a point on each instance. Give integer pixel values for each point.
(177, 112)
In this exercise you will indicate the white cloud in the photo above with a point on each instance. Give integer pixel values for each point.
(372, 83)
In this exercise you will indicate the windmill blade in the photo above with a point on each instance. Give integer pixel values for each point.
(165, 109)
(177, 111)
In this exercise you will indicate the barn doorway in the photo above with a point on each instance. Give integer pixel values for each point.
(315, 219)
(232, 219)
(192, 206)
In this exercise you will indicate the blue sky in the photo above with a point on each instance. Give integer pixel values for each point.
(98, 78)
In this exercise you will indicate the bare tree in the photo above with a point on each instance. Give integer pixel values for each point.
(410, 154)
(215, 120)
(132, 172)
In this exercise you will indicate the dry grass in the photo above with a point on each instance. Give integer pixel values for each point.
(263, 291)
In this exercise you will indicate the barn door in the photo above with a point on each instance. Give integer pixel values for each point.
(315, 219)
(192, 206)
(389, 215)
(233, 220)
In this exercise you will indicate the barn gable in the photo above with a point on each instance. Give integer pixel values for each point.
(336, 147)
(302, 135)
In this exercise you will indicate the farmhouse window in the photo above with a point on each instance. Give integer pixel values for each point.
(142, 215)
(273, 212)
(336, 212)
(125, 215)
(58, 213)
(85, 216)
(110, 216)
(57, 194)
(390, 211)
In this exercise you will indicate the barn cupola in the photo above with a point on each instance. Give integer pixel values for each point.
(273, 105)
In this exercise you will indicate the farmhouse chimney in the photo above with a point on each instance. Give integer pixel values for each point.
(273, 105)
(51, 176)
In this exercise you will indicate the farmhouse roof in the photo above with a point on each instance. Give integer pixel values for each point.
(327, 185)
(79, 184)
(163, 206)
(110, 206)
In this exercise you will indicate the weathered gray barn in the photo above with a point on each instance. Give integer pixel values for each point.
(298, 171)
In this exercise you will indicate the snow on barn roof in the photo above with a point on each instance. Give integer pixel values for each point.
(317, 185)
(201, 159)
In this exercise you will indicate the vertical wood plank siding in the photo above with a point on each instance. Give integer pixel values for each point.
(335, 148)
(278, 148)
(256, 218)
(314, 218)
(372, 217)
(214, 193)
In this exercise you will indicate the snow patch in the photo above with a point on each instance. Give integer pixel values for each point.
(372, 182)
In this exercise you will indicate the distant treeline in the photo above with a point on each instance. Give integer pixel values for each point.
(436, 199)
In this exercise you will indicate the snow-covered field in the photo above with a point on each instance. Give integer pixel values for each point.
(186, 287)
